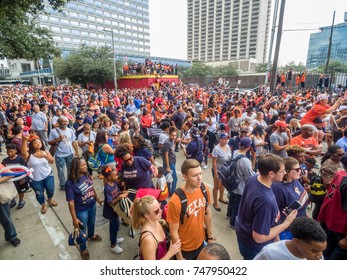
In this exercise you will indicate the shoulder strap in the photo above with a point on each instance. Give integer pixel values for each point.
(204, 192)
(182, 196)
(140, 239)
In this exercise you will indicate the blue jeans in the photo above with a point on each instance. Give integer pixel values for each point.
(39, 187)
(6, 222)
(87, 218)
(247, 252)
(233, 207)
(113, 229)
(60, 162)
(172, 186)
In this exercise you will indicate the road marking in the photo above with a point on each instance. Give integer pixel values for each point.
(57, 236)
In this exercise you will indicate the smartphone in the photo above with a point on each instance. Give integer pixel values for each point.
(293, 206)
(25, 133)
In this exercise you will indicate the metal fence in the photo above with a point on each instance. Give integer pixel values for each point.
(249, 81)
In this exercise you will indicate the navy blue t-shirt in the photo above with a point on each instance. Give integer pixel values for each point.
(234, 145)
(110, 193)
(286, 193)
(82, 192)
(143, 152)
(138, 175)
(195, 148)
(258, 211)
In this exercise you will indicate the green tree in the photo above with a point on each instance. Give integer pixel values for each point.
(88, 64)
(20, 35)
(260, 67)
(296, 67)
(336, 66)
(224, 71)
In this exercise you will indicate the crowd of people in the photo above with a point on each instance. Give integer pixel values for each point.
(286, 143)
(149, 67)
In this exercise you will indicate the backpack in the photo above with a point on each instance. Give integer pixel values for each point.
(182, 196)
(227, 173)
(94, 161)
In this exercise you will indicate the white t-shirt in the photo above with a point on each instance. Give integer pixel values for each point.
(276, 251)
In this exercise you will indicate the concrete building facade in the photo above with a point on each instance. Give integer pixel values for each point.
(228, 30)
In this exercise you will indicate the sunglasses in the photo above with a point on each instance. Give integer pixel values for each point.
(339, 155)
(297, 169)
(156, 212)
(128, 160)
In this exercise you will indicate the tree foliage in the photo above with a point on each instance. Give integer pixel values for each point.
(87, 65)
(260, 67)
(20, 34)
(200, 69)
(334, 66)
(296, 67)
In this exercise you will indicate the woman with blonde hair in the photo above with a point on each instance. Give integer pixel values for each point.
(146, 217)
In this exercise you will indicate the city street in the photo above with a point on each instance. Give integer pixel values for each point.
(44, 237)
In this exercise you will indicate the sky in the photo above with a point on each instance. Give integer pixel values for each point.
(168, 26)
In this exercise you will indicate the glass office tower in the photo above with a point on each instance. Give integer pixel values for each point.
(83, 22)
(319, 44)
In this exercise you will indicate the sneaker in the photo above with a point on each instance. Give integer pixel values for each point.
(131, 233)
(120, 240)
(13, 203)
(21, 204)
(204, 166)
(116, 249)
(15, 242)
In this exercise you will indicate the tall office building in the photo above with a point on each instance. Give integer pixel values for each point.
(319, 43)
(228, 30)
(83, 22)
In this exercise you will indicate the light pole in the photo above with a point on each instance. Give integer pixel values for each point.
(114, 59)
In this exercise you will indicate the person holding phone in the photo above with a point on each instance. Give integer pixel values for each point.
(289, 193)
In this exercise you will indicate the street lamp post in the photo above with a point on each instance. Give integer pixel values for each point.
(114, 59)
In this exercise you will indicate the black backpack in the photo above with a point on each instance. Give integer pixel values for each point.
(182, 196)
(227, 173)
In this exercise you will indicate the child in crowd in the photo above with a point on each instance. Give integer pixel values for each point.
(21, 185)
(113, 193)
(162, 185)
(206, 150)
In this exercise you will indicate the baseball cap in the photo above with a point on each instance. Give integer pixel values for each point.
(321, 97)
(194, 132)
(281, 124)
(223, 135)
(343, 107)
(245, 143)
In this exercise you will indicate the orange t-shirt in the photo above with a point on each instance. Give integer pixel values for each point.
(316, 111)
(305, 143)
(191, 232)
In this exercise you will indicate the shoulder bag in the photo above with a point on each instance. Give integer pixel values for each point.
(53, 148)
(7, 192)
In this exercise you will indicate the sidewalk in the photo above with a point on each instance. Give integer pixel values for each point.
(44, 237)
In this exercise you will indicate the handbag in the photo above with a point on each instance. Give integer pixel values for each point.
(169, 178)
(7, 192)
(54, 147)
(317, 190)
(122, 208)
(78, 237)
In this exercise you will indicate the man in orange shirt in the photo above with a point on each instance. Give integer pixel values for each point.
(306, 141)
(320, 109)
(198, 215)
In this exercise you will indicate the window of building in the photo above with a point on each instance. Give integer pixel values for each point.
(83, 25)
(65, 21)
